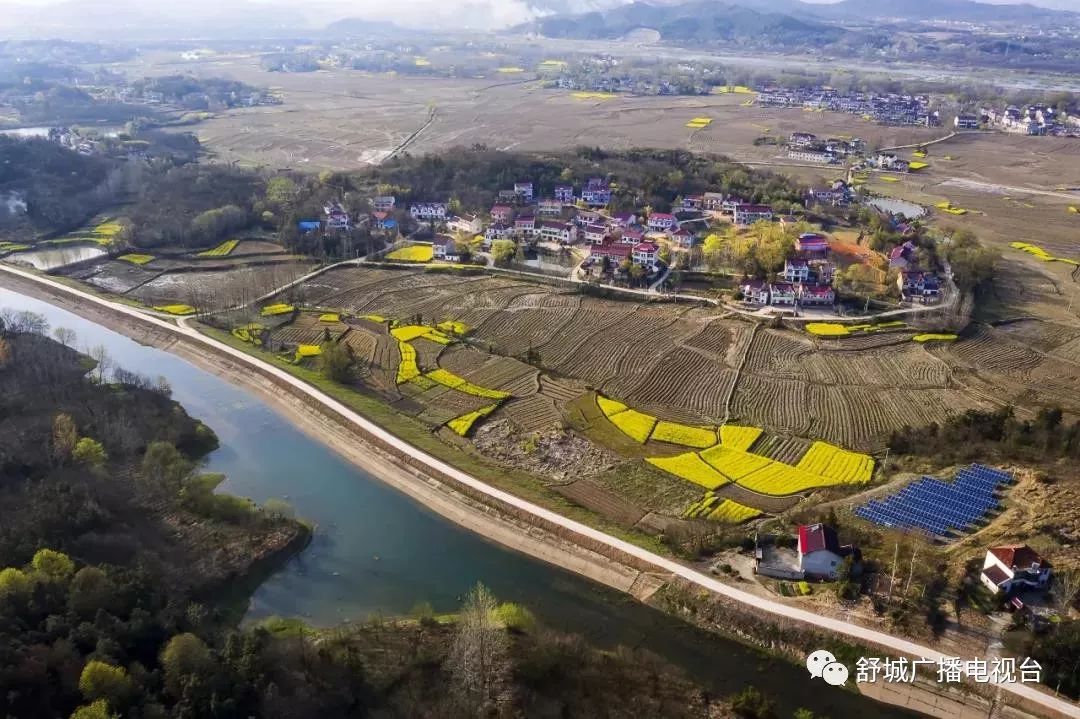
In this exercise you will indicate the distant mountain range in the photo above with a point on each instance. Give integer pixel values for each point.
(910, 10)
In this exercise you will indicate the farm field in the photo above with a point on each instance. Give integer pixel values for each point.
(352, 119)
(677, 363)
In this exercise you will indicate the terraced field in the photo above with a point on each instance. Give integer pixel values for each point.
(688, 365)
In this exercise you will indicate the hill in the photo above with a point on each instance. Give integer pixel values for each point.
(698, 22)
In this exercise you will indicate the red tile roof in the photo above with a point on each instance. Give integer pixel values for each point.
(1017, 555)
(816, 537)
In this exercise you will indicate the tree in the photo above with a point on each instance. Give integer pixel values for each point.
(14, 583)
(65, 336)
(91, 590)
(53, 564)
(100, 680)
(164, 466)
(503, 251)
(64, 437)
(89, 452)
(102, 362)
(184, 656)
(95, 710)
(280, 191)
(335, 361)
(750, 703)
(479, 650)
(1066, 589)
(5, 353)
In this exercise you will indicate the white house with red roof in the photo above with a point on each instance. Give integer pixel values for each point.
(564, 193)
(816, 295)
(465, 224)
(595, 234)
(502, 213)
(645, 254)
(428, 211)
(820, 552)
(525, 226)
(624, 219)
(1012, 567)
(796, 270)
(560, 232)
(782, 293)
(549, 207)
(662, 222)
(749, 214)
(684, 237)
(612, 251)
(632, 236)
(755, 291)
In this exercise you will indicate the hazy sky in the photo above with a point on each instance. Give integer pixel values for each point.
(457, 13)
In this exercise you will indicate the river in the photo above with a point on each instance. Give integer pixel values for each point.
(377, 551)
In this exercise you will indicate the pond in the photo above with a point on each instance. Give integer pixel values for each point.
(56, 257)
(904, 208)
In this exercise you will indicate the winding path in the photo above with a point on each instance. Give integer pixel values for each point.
(1026, 692)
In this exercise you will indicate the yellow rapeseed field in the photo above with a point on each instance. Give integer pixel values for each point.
(692, 468)
(734, 436)
(412, 253)
(463, 425)
(684, 434)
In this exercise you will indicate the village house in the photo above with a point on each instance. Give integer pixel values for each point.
(549, 208)
(465, 224)
(596, 193)
(589, 217)
(820, 553)
(820, 157)
(729, 204)
(836, 196)
(502, 213)
(919, 286)
(611, 251)
(966, 122)
(428, 211)
(684, 237)
(564, 193)
(692, 203)
(595, 234)
(782, 294)
(712, 201)
(498, 231)
(624, 219)
(525, 226)
(445, 248)
(823, 270)
(812, 244)
(645, 254)
(755, 291)
(892, 163)
(662, 222)
(802, 139)
(749, 214)
(816, 295)
(632, 235)
(796, 270)
(384, 203)
(509, 197)
(524, 190)
(1014, 567)
(560, 232)
(901, 257)
(336, 216)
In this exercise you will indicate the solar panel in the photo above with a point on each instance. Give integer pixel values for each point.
(932, 505)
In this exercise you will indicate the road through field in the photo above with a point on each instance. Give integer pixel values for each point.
(888, 642)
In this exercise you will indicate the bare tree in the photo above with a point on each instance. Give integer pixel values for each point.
(65, 336)
(1066, 590)
(479, 653)
(103, 361)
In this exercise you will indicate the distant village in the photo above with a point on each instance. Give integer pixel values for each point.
(883, 108)
(638, 245)
(1036, 119)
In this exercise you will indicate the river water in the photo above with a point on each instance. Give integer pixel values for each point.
(377, 551)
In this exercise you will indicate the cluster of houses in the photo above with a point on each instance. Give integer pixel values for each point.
(915, 284)
(808, 147)
(805, 282)
(884, 108)
(1035, 119)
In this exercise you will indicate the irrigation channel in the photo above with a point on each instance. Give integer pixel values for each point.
(375, 551)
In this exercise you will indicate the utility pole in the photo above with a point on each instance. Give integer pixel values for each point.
(911, 571)
(892, 579)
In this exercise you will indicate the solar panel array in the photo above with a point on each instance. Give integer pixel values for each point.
(938, 507)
